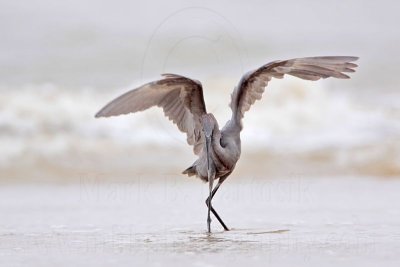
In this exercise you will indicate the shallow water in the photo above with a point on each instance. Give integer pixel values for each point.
(301, 221)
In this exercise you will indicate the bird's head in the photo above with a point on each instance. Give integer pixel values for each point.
(209, 123)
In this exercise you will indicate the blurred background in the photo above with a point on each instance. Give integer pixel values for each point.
(316, 179)
(60, 62)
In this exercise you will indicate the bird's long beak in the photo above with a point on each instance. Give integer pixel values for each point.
(208, 149)
(210, 169)
(208, 129)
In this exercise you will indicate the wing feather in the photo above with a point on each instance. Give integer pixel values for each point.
(180, 98)
(252, 85)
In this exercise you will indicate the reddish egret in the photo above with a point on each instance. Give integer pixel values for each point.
(181, 99)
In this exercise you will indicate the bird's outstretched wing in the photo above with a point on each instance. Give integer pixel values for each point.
(181, 99)
(252, 84)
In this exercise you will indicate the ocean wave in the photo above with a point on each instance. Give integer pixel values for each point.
(293, 117)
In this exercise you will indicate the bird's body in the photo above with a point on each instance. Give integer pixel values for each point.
(182, 101)
(224, 152)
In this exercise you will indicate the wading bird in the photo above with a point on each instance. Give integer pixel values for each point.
(182, 101)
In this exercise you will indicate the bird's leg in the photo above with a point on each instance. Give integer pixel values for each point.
(210, 183)
(208, 203)
(210, 177)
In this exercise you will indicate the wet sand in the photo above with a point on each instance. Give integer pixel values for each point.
(299, 221)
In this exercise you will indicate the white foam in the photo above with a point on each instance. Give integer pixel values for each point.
(293, 115)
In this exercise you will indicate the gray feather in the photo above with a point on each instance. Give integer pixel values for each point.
(180, 98)
(252, 84)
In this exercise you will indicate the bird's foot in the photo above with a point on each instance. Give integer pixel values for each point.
(209, 224)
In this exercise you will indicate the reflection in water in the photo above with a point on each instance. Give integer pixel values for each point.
(189, 241)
